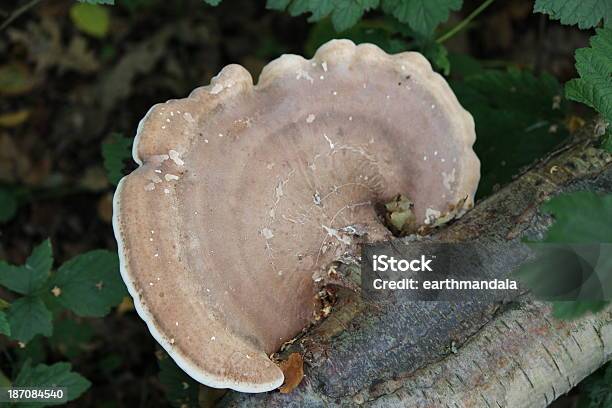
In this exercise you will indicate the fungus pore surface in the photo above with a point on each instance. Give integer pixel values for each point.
(245, 194)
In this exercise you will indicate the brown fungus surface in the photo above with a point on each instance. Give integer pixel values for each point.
(246, 193)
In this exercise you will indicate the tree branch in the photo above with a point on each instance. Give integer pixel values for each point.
(399, 353)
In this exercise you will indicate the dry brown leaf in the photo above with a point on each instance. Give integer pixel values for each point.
(47, 50)
(574, 123)
(13, 162)
(105, 208)
(293, 370)
(126, 305)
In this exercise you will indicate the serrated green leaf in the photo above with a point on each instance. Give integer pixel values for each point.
(437, 54)
(585, 13)
(115, 152)
(213, 2)
(344, 13)
(56, 375)
(41, 259)
(32, 276)
(347, 13)
(91, 19)
(8, 205)
(422, 16)
(28, 316)
(580, 217)
(89, 284)
(594, 64)
(5, 328)
(181, 390)
(519, 118)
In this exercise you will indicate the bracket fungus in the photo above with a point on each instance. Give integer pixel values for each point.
(246, 193)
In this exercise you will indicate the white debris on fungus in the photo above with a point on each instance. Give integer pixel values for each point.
(431, 215)
(216, 89)
(187, 116)
(332, 232)
(171, 177)
(300, 73)
(448, 179)
(176, 157)
(331, 144)
(267, 233)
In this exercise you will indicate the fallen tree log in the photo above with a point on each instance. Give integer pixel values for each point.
(466, 354)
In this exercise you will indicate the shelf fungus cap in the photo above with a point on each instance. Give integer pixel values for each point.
(245, 194)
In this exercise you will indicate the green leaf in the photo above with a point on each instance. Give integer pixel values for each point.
(344, 13)
(28, 316)
(578, 271)
(464, 66)
(279, 5)
(422, 16)
(5, 328)
(181, 390)
(436, 53)
(32, 276)
(8, 205)
(379, 32)
(56, 375)
(594, 64)
(89, 284)
(573, 310)
(580, 217)
(213, 2)
(34, 351)
(519, 118)
(585, 13)
(90, 18)
(115, 153)
(70, 337)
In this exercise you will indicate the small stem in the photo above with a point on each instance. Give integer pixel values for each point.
(18, 12)
(464, 22)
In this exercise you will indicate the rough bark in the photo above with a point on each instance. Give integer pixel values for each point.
(470, 354)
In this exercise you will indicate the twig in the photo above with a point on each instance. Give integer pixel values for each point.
(18, 13)
(464, 22)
